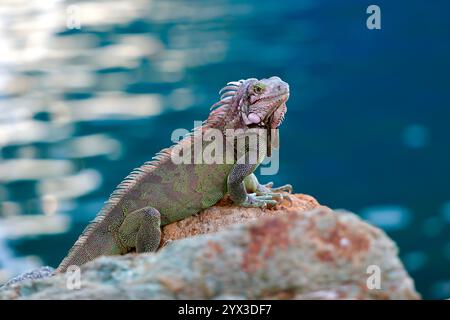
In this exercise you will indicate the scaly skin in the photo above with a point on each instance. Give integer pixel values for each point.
(161, 191)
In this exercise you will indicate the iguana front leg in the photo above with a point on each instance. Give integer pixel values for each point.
(237, 188)
(141, 229)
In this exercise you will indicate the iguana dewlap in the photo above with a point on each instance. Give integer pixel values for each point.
(163, 191)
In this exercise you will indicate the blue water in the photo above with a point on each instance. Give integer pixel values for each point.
(367, 125)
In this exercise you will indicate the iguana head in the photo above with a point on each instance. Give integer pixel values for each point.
(263, 102)
(255, 103)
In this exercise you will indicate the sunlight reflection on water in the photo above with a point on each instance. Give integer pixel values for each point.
(79, 109)
(54, 81)
(388, 217)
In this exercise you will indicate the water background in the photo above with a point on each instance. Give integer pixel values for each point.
(367, 126)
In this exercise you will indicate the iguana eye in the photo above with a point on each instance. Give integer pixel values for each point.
(258, 88)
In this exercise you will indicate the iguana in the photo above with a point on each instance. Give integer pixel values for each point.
(162, 191)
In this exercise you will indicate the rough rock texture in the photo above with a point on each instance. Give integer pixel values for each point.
(40, 273)
(305, 251)
(224, 214)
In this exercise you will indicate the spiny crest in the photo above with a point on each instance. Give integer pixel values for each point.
(220, 108)
(227, 93)
(134, 177)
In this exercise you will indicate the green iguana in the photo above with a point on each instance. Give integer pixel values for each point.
(162, 191)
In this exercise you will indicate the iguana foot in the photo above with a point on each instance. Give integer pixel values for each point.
(278, 193)
(258, 201)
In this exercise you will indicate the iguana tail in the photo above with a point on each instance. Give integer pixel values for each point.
(95, 241)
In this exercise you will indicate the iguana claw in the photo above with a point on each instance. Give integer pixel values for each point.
(284, 188)
(268, 185)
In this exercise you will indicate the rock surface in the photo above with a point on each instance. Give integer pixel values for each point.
(225, 214)
(300, 250)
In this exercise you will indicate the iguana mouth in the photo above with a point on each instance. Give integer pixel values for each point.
(267, 121)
